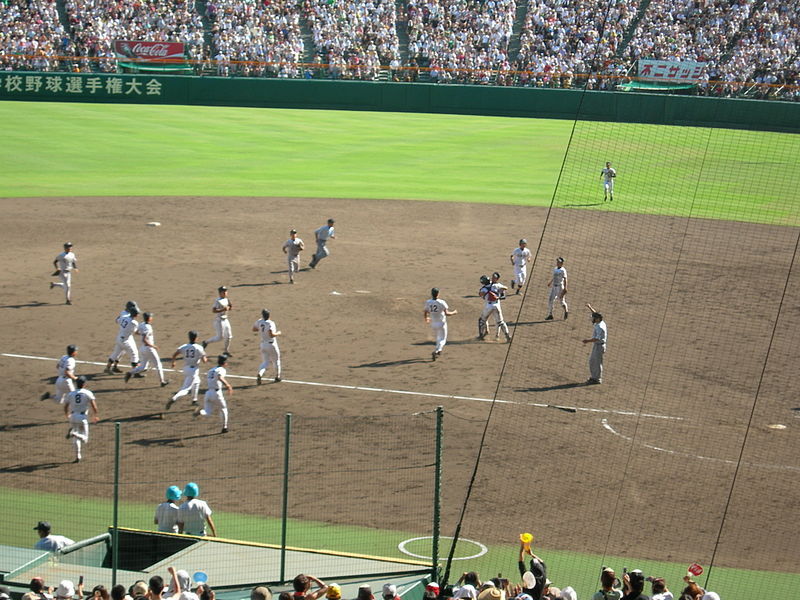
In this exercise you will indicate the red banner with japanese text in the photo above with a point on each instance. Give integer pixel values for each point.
(153, 52)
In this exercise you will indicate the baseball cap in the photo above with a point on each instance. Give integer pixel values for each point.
(43, 526)
(390, 589)
(293, 231)
(523, 241)
(432, 587)
(67, 244)
(222, 288)
(560, 259)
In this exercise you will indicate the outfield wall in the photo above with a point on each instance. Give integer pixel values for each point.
(661, 109)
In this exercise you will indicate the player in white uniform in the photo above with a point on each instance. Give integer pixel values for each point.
(322, 235)
(78, 403)
(520, 258)
(125, 341)
(558, 289)
(608, 174)
(270, 353)
(194, 513)
(65, 263)
(66, 375)
(214, 400)
(222, 326)
(598, 342)
(148, 351)
(492, 291)
(436, 313)
(166, 516)
(292, 249)
(192, 354)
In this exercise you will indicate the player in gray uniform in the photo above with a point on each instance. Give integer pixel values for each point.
(322, 235)
(66, 375)
(292, 249)
(78, 403)
(166, 516)
(192, 354)
(65, 263)
(558, 289)
(492, 291)
(598, 341)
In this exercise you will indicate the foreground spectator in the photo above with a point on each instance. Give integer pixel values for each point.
(302, 587)
(37, 590)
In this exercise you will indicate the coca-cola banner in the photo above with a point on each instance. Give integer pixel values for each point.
(159, 52)
(674, 72)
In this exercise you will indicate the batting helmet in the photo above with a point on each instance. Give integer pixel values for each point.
(484, 279)
(72, 349)
(192, 490)
(81, 381)
(264, 313)
(496, 275)
(192, 336)
(131, 304)
(173, 492)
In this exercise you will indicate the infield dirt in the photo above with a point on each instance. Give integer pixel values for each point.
(690, 304)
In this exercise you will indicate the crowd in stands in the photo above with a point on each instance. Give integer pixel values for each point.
(31, 35)
(746, 44)
(264, 36)
(96, 24)
(533, 584)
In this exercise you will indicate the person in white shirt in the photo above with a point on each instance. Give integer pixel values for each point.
(76, 409)
(222, 326)
(124, 342)
(322, 235)
(436, 313)
(194, 514)
(492, 291)
(192, 354)
(270, 353)
(50, 542)
(213, 399)
(598, 341)
(558, 290)
(148, 351)
(520, 257)
(608, 174)
(65, 263)
(292, 249)
(166, 516)
(66, 375)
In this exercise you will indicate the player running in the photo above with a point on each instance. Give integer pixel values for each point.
(125, 341)
(520, 257)
(270, 353)
(66, 375)
(78, 403)
(558, 289)
(222, 326)
(608, 174)
(192, 354)
(492, 291)
(65, 263)
(436, 313)
(213, 399)
(148, 350)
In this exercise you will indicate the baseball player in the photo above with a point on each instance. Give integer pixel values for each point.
(148, 351)
(270, 353)
(492, 291)
(213, 398)
(292, 249)
(128, 325)
(192, 354)
(78, 403)
(520, 258)
(608, 174)
(222, 326)
(65, 263)
(66, 375)
(598, 341)
(558, 289)
(322, 235)
(166, 516)
(436, 313)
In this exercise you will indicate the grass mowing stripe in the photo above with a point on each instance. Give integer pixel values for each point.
(183, 150)
(82, 517)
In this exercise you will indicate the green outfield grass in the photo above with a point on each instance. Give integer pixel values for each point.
(52, 149)
(84, 518)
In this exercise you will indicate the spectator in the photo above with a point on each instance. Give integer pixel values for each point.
(180, 588)
(390, 592)
(5, 594)
(118, 592)
(609, 589)
(302, 588)
(659, 589)
(334, 592)
(633, 586)
(99, 592)
(365, 593)
(692, 591)
(37, 590)
(155, 588)
(568, 594)
(66, 590)
(48, 541)
(194, 513)
(261, 593)
(533, 579)
(138, 589)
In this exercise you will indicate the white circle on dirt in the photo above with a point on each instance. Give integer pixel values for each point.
(402, 547)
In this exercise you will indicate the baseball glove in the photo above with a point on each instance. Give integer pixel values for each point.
(56, 273)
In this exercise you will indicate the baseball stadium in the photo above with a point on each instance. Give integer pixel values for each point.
(646, 153)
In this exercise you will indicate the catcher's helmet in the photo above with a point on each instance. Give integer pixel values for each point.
(173, 492)
(484, 279)
(192, 490)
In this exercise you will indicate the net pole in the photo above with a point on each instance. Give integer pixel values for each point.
(115, 532)
(437, 495)
(285, 507)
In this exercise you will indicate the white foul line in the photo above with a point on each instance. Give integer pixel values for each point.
(360, 388)
(697, 456)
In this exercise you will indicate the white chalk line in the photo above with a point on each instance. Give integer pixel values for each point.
(361, 388)
(697, 456)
